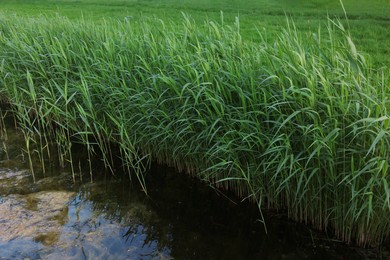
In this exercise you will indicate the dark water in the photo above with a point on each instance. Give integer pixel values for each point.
(182, 218)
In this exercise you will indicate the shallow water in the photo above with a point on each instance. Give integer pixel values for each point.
(182, 218)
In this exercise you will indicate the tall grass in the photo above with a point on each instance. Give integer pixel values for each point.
(300, 123)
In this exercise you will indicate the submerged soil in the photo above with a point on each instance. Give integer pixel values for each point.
(37, 216)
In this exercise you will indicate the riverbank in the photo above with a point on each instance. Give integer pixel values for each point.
(300, 123)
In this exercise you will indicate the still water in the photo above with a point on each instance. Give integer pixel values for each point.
(111, 218)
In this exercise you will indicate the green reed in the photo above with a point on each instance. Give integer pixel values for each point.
(298, 123)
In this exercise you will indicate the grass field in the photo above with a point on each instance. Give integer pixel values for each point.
(292, 116)
(369, 20)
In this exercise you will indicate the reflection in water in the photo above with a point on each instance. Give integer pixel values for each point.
(111, 218)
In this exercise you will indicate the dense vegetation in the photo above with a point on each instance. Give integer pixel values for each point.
(288, 119)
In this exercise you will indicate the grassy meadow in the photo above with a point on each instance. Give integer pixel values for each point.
(289, 113)
(368, 20)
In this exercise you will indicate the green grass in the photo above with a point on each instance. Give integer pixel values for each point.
(369, 20)
(296, 121)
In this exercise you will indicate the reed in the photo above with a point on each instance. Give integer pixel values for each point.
(298, 123)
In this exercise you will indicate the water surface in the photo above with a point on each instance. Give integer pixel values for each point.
(110, 218)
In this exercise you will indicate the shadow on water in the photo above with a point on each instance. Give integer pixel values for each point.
(112, 218)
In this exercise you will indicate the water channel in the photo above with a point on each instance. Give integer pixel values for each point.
(111, 218)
